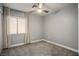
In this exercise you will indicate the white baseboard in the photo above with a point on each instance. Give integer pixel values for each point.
(69, 48)
(36, 41)
(48, 42)
(24, 43)
(17, 45)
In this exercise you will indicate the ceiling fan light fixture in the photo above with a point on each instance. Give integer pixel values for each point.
(39, 10)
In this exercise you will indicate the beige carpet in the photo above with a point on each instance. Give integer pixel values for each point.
(38, 49)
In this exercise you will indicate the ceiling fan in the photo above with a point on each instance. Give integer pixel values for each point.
(39, 8)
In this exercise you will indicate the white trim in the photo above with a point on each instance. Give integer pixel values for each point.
(24, 43)
(36, 41)
(48, 42)
(17, 45)
(72, 49)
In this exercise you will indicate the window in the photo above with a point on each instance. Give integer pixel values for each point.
(12, 25)
(21, 25)
(17, 25)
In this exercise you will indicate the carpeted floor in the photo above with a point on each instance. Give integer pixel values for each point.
(41, 48)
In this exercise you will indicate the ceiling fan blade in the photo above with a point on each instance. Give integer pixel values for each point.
(32, 11)
(34, 6)
(45, 11)
(39, 5)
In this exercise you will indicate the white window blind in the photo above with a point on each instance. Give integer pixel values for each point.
(17, 25)
(12, 25)
(21, 25)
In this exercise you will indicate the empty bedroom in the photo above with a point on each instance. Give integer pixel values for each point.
(39, 29)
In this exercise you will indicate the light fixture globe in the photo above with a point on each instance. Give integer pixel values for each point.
(39, 10)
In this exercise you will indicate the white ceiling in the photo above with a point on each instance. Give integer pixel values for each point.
(27, 7)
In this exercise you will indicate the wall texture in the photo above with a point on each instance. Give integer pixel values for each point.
(62, 27)
(36, 23)
(78, 28)
(0, 29)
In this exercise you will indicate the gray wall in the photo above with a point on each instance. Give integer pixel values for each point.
(62, 27)
(36, 30)
(78, 28)
(0, 29)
